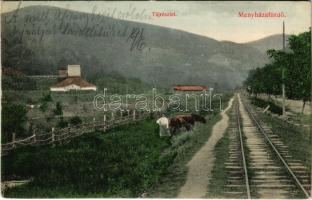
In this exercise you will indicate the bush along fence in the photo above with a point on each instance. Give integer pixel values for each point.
(63, 135)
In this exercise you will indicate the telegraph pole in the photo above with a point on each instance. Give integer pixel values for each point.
(283, 73)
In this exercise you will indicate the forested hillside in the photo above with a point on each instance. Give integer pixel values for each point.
(39, 39)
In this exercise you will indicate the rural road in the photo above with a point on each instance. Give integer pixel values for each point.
(201, 165)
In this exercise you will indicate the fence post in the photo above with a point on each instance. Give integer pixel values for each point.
(121, 114)
(128, 113)
(34, 135)
(113, 116)
(94, 123)
(13, 139)
(53, 137)
(104, 120)
(133, 115)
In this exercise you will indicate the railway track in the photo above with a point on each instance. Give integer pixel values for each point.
(259, 164)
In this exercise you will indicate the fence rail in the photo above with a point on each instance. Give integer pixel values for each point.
(46, 76)
(63, 135)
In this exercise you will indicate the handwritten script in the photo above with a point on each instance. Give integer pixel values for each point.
(40, 23)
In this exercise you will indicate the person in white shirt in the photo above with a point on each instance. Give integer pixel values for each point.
(163, 123)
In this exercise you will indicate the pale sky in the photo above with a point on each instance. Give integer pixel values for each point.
(218, 20)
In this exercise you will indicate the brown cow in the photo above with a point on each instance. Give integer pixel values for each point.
(186, 121)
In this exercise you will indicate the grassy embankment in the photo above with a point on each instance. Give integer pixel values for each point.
(218, 180)
(275, 107)
(298, 139)
(263, 104)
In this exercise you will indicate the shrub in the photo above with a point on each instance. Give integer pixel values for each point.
(47, 98)
(58, 109)
(43, 106)
(75, 120)
(62, 123)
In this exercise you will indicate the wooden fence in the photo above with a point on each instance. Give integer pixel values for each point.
(63, 135)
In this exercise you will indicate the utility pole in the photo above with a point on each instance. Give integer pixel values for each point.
(283, 73)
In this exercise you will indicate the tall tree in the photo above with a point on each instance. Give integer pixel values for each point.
(296, 64)
(298, 80)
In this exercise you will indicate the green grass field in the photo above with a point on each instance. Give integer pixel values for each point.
(124, 162)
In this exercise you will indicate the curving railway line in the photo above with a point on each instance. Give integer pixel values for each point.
(259, 164)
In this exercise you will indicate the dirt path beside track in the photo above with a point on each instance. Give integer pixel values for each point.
(201, 165)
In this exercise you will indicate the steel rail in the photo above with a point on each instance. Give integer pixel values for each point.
(275, 150)
(243, 151)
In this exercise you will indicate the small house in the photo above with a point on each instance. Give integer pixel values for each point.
(72, 80)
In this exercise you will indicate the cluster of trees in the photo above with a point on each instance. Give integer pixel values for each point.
(13, 121)
(17, 83)
(291, 67)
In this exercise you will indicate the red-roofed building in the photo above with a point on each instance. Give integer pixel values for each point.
(190, 88)
(73, 81)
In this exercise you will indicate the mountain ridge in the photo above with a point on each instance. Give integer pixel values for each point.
(274, 41)
(154, 54)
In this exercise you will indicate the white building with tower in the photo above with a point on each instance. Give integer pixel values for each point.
(71, 80)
